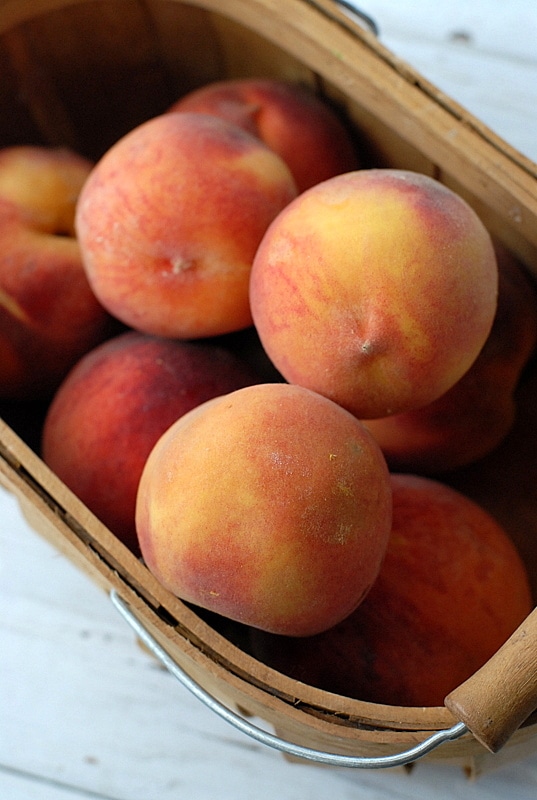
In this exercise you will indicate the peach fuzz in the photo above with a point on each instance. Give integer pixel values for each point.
(49, 316)
(377, 288)
(473, 417)
(270, 506)
(115, 404)
(290, 118)
(451, 590)
(170, 219)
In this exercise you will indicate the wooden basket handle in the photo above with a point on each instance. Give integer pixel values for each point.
(501, 695)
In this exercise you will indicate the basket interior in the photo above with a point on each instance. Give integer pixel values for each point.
(86, 73)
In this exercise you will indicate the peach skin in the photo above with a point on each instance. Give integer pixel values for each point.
(114, 405)
(45, 182)
(293, 121)
(376, 288)
(270, 506)
(473, 417)
(170, 219)
(451, 590)
(49, 316)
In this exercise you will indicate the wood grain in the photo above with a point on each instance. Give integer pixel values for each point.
(501, 695)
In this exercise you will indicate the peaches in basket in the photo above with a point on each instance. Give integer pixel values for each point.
(115, 404)
(291, 119)
(372, 294)
(451, 590)
(473, 417)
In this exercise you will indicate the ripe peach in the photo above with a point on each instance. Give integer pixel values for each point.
(270, 506)
(115, 404)
(169, 221)
(45, 182)
(376, 288)
(451, 590)
(49, 315)
(293, 121)
(476, 414)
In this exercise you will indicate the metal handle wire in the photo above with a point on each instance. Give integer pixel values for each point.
(348, 5)
(268, 739)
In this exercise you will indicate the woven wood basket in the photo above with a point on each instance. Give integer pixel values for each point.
(83, 72)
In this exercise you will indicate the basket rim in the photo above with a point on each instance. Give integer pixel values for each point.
(25, 474)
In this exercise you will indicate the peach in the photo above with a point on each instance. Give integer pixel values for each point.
(45, 182)
(270, 506)
(451, 590)
(115, 404)
(49, 316)
(170, 219)
(376, 288)
(476, 414)
(291, 119)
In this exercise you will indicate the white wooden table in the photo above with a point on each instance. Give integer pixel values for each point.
(84, 712)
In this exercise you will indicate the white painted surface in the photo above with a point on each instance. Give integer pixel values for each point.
(483, 53)
(84, 713)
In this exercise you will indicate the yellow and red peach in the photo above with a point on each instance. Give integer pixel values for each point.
(376, 288)
(476, 414)
(451, 590)
(49, 316)
(115, 404)
(170, 219)
(291, 119)
(270, 506)
(45, 183)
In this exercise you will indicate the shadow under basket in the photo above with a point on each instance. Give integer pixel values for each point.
(82, 73)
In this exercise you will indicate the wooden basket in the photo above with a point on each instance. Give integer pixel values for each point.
(83, 72)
